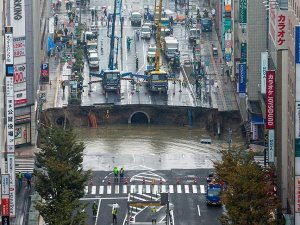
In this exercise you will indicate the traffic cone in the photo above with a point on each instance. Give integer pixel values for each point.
(109, 181)
(126, 181)
(160, 181)
(195, 180)
(144, 180)
(177, 181)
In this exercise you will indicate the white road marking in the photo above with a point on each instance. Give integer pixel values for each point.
(98, 197)
(109, 189)
(86, 189)
(136, 197)
(140, 189)
(101, 190)
(202, 189)
(194, 189)
(155, 189)
(124, 189)
(179, 189)
(163, 188)
(98, 209)
(186, 189)
(93, 190)
(171, 189)
(199, 213)
(132, 189)
(147, 196)
(117, 189)
(148, 189)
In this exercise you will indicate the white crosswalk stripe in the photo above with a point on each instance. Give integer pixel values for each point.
(145, 189)
(202, 189)
(93, 190)
(194, 189)
(124, 189)
(179, 189)
(117, 188)
(101, 190)
(186, 189)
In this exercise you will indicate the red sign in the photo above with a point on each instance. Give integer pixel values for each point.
(281, 24)
(5, 206)
(270, 100)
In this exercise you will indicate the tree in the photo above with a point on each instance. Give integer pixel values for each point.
(60, 180)
(247, 197)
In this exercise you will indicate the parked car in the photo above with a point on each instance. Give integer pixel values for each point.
(145, 32)
(93, 60)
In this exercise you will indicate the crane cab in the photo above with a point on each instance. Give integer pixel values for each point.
(111, 80)
(158, 81)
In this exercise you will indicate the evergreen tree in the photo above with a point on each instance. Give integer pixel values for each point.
(60, 181)
(247, 197)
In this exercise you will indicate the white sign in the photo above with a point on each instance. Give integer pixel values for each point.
(271, 146)
(5, 184)
(263, 72)
(51, 25)
(12, 190)
(17, 18)
(297, 119)
(19, 77)
(278, 27)
(20, 97)
(9, 49)
(19, 47)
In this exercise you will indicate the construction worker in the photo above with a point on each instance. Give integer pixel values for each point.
(153, 211)
(116, 172)
(94, 207)
(114, 213)
(121, 174)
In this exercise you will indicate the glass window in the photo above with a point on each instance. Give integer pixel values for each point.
(213, 192)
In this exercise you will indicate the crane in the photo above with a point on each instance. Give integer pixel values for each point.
(111, 76)
(158, 79)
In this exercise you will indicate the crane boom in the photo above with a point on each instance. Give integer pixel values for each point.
(158, 35)
(112, 39)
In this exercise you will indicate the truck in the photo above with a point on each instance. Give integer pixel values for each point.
(206, 24)
(213, 191)
(111, 80)
(157, 81)
(136, 19)
(170, 46)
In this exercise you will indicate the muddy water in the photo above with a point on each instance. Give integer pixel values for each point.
(150, 147)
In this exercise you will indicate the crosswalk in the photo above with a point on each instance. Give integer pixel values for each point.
(144, 189)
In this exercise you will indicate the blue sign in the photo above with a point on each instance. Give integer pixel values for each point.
(242, 77)
(297, 44)
(9, 70)
(227, 57)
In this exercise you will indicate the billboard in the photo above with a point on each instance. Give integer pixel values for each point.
(270, 99)
(278, 27)
(271, 146)
(19, 77)
(242, 78)
(263, 71)
(20, 97)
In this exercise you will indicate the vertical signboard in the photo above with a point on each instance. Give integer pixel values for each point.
(44, 73)
(243, 11)
(17, 12)
(271, 146)
(297, 197)
(5, 198)
(297, 126)
(51, 25)
(243, 53)
(278, 27)
(242, 78)
(10, 121)
(270, 100)
(297, 138)
(263, 71)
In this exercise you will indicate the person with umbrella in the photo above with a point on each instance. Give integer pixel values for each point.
(28, 177)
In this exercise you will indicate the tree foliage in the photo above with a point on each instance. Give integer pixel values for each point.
(60, 180)
(247, 197)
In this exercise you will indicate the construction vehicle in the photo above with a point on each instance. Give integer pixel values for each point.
(157, 78)
(213, 191)
(170, 46)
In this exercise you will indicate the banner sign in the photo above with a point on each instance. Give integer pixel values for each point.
(20, 97)
(242, 78)
(278, 27)
(243, 53)
(297, 44)
(51, 25)
(5, 206)
(297, 120)
(5, 220)
(12, 191)
(19, 77)
(243, 11)
(271, 146)
(19, 47)
(270, 100)
(9, 46)
(263, 71)
(5, 184)
(297, 194)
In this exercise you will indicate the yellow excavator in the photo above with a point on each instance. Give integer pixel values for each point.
(158, 79)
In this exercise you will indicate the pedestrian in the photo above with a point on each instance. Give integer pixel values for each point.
(153, 211)
(94, 208)
(20, 179)
(116, 172)
(66, 31)
(29, 183)
(136, 63)
(121, 174)
(63, 86)
(56, 20)
(105, 12)
(114, 213)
